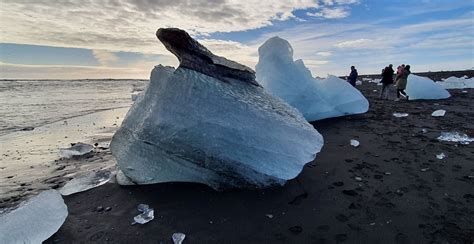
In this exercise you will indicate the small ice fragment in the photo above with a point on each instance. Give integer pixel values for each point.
(76, 150)
(178, 238)
(358, 178)
(34, 220)
(372, 223)
(464, 91)
(146, 214)
(269, 215)
(355, 143)
(424, 130)
(374, 90)
(388, 173)
(399, 115)
(455, 137)
(122, 179)
(438, 113)
(358, 82)
(440, 156)
(85, 182)
(424, 169)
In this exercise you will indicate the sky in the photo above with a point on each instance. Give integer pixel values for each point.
(93, 39)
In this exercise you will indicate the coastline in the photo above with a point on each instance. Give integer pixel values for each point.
(391, 188)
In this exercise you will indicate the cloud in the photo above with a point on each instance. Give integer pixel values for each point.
(324, 54)
(331, 13)
(355, 43)
(105, 57)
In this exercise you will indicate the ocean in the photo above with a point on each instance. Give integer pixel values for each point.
(31, 103)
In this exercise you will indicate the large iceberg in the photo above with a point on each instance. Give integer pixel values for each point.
(290, 80)
(424, 88)
(35, 220)
(210, 122)
(457, 83)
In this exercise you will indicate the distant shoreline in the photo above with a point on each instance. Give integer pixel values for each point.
(434, 75)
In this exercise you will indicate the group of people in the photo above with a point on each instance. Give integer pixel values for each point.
(401, 79)
(388, 77)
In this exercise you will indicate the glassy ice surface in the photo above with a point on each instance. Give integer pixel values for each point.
(76, 150)
(457, 83)
(178, 238)
(146, 214)
(424, 88)
(34, 220)
(190, 127)
(438, 113)
(290, 80)
(85, 182)
(455, 137)
(400, 115)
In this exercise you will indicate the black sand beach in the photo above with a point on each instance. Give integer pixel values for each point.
(402, 193)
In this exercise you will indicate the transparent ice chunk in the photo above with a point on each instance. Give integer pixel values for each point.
(85, 182)
(400, 115)
(438, 113)
(355, 143)
(146, 214)
(178, 238)
(34, 220)
(76, 150)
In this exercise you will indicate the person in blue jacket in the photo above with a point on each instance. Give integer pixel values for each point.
(353, 76)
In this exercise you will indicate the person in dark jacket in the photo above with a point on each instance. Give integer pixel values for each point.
(387, 80)
(353, 76)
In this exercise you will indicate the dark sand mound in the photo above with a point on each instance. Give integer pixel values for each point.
(405, 194)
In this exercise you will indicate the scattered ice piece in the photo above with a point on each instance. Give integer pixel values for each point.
(178, 238)
(388, 173)
(373, 223)
(293, 82)
(455, 137)
(358, 82)
(146, 214)
(34, 220)
(355, 143)
(457, 83)
(85, 182)
(464, 91)
(76, 150)
(424, 169)
(424, 130)
(269, 215)
(358, 178)
(375, 90)
(438, 113)
(424, 88)
(440, 156)
(400, 115)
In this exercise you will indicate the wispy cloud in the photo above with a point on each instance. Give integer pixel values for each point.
(331, 13)
(105, 57)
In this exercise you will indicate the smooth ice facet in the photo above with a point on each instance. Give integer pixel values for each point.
(438, 113)
(34, 220)
(178, 238)
(290, 80)
(76, 150)
(85, 182)
(455, 137)
(424, 88)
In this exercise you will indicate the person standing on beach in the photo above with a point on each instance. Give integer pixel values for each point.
(353, 76)
(401, 82)
(387, 80)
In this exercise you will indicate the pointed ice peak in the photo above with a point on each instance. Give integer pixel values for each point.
(192, 55)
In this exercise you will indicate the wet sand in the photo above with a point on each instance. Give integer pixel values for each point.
(402, 193)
